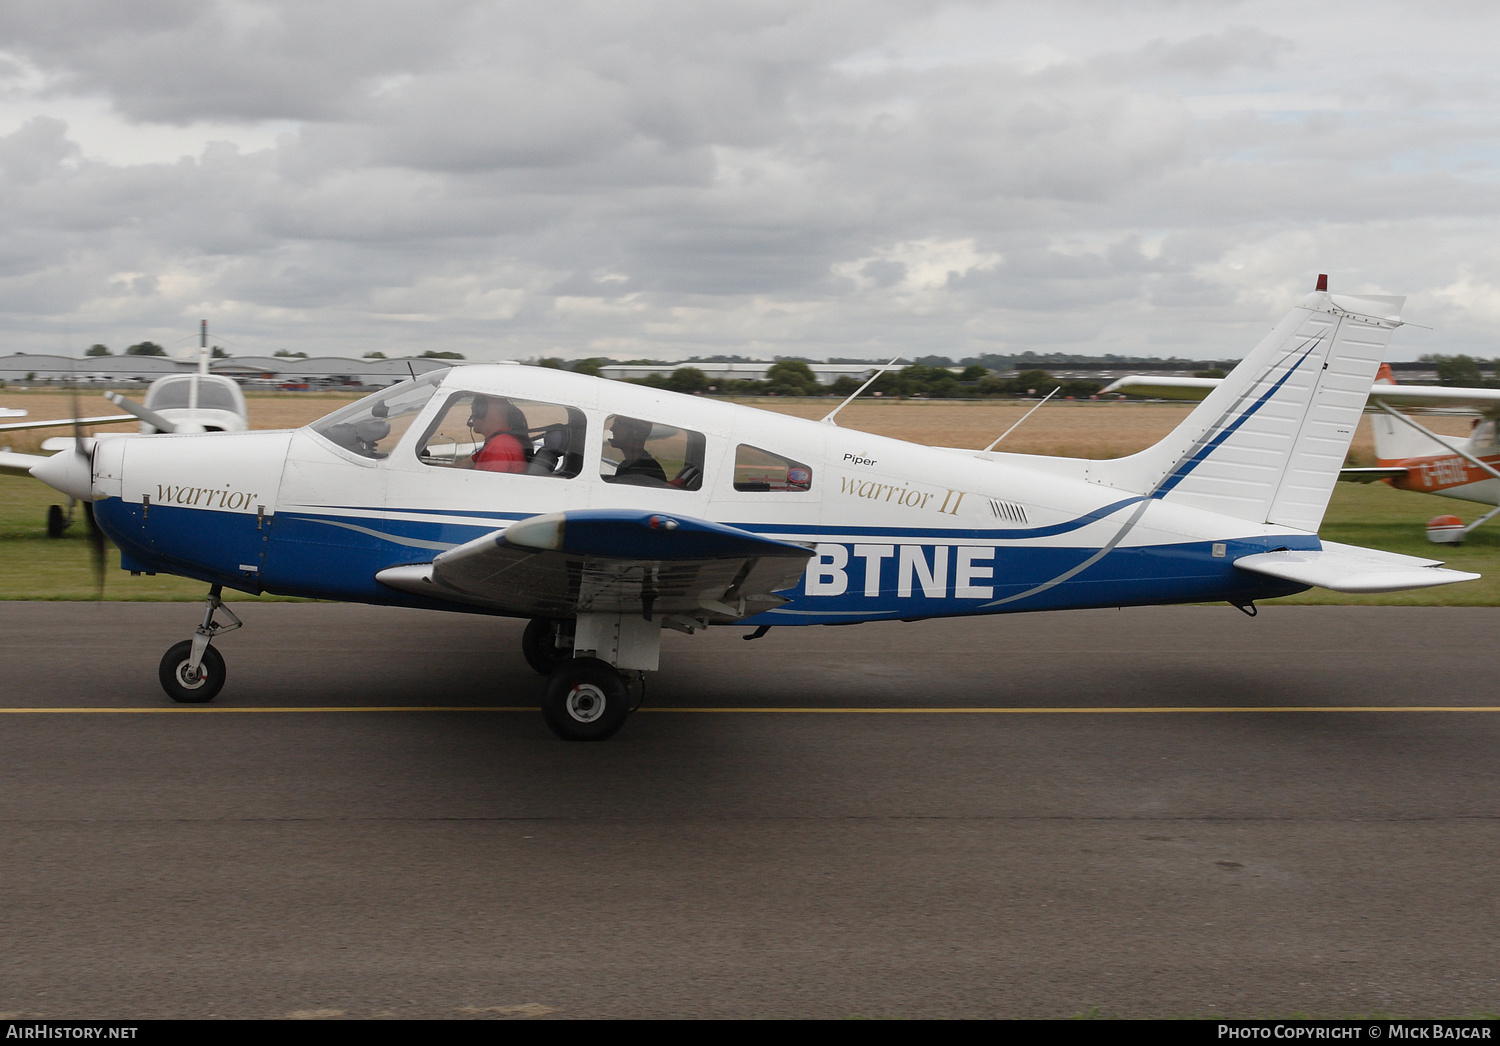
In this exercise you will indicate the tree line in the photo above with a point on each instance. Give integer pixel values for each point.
(795, 378)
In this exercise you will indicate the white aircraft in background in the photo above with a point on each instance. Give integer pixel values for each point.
(605, 512)
(1409, 455)
(177, 403)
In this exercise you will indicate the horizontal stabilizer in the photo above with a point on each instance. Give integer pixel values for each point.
(626, 534)
(1348, 568)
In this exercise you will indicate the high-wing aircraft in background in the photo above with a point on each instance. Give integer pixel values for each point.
(177, 403)
(606, 512)
(1409, 455)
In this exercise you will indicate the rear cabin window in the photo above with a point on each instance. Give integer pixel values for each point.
(761, 470)
(487, 433)
(642, 453)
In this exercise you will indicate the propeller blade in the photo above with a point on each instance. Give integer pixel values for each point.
(77, 420)
(150, 417)
(86, 456)
(97, 549)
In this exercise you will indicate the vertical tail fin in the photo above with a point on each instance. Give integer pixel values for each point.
(1395, 441)
(1268, 443)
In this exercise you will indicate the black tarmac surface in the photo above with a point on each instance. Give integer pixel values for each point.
(718, 861)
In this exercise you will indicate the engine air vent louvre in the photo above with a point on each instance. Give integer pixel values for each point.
(1008, 510)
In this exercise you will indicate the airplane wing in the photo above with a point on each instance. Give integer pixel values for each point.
(1435, 397)
(1348, 568)
(1163, 388)
(1411, 397)
(60, 422)
(609, 561)
(19, 464)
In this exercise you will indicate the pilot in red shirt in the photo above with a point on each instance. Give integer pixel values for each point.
(504, 429)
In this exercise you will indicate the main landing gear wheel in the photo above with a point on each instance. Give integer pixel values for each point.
(185, 686)
(540, 645)
(586, 700)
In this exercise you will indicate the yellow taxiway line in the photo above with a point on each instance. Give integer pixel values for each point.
(769, 710)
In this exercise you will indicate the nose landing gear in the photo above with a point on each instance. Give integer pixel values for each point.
(192, 672)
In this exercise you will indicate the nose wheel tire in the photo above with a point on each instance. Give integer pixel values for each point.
(187, 687)
(539, 645)
(586, 700)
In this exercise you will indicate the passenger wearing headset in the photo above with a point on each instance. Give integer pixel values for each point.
(507, 441)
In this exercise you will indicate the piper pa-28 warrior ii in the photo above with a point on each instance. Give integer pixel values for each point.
(605, 512)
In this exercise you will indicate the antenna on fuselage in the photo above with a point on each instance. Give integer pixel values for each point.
(827, 419)
(1023, 417)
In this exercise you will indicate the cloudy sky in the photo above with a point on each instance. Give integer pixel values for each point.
(811, 177)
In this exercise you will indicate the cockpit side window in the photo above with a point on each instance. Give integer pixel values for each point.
(489, 433)
(374, 425)
(649, 454)
(761, 470)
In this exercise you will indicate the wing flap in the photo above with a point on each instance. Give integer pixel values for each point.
(563, 564)
(1348, 568)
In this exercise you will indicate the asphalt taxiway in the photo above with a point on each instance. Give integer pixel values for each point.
(1175, 811)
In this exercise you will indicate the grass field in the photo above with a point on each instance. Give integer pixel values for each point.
(33, 566)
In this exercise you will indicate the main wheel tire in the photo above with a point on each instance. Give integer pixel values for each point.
(187, 689)
(57, 521)
(539, 646)
(586, 700)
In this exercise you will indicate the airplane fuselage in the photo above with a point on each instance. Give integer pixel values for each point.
(1449, 475)
(900, 530)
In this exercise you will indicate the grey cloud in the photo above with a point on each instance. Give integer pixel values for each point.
(37, 149)
(668, 178)
(1212, 55)
(184, 61)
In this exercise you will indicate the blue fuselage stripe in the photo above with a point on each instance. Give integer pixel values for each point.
(929, 573)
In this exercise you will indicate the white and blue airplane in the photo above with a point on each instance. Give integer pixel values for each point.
(605, 512)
